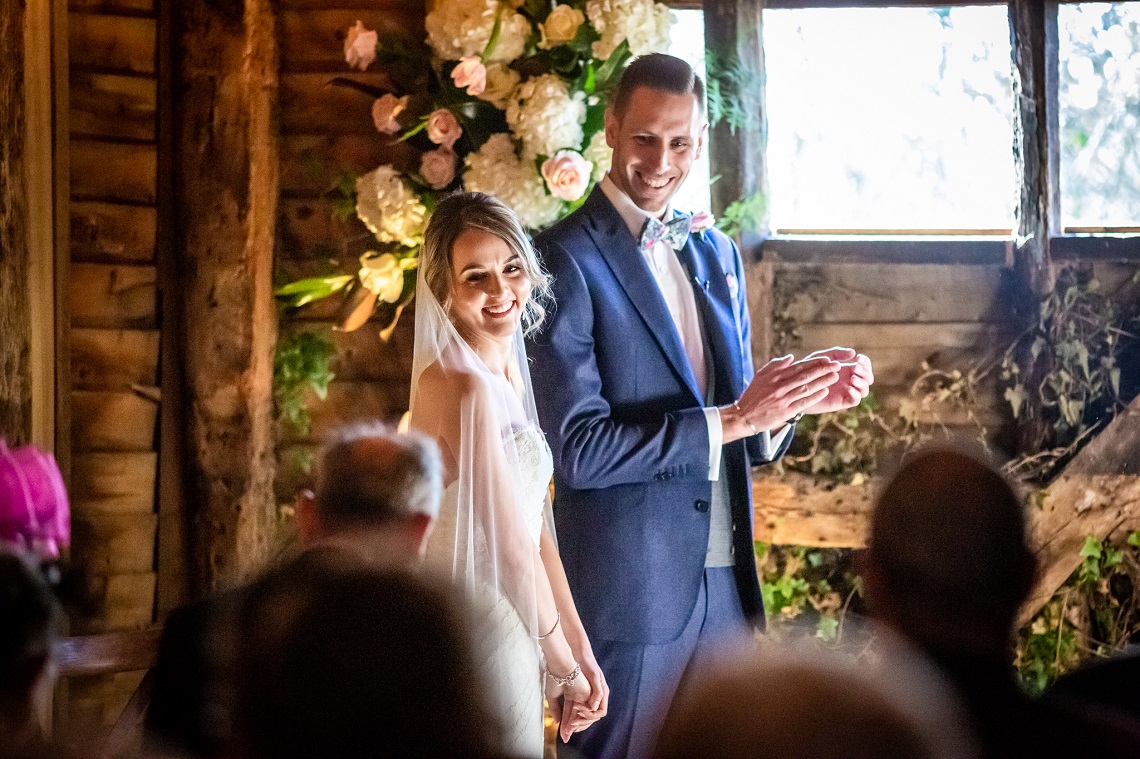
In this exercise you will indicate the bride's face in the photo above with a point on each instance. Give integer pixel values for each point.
(489, 287)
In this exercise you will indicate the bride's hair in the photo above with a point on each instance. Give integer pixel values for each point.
(462, 211)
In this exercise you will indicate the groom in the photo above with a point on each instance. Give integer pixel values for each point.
(645, 388)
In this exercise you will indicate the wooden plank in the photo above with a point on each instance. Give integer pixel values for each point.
(108, 544)
(109, 105)
(794, 510)
(114, 483)
(122, 602)
(112, 233)
(126, 651)
(310, 106)
(383, 7)
(1098, 248)
(96, 701)
(62, 202)
(828, 293)
(313, 39)
(933, 336)
(122, 44)
(113, 296)
(313, 164)
(109, 421)
(113, 171)
(350, 402)
(113, 359)
(306, 226)
(883, 250)
(120, 7)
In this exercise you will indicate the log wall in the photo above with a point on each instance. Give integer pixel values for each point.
(114, 329)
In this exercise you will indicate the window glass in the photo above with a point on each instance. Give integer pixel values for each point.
(890, 118)
(687, 41)
(1099, 104)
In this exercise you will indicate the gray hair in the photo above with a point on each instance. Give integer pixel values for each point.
(367, 473)
(462, 211)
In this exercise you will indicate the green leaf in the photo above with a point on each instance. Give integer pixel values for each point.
(1091, 549)
(303, 291)
(1134, 538)
(827, 628)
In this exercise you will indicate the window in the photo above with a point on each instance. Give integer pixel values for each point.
(890, 119)
(1099, 105)
(687, 41)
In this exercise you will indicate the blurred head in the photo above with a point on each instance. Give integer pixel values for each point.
(30, 620)
(947, 563)
(34, 512)
(338, 660)
(813, 705)
(481, 267)
(374, 484)
(655, 124)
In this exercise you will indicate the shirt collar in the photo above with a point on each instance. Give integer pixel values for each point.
(633, 216)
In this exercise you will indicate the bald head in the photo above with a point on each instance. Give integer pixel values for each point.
(948, 546)
(368, 475)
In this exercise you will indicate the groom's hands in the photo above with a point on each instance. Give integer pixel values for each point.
(853, 385)
(781, 389)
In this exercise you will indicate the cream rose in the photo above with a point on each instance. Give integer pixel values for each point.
(385, 110)
(437, 167)
(567, 174)
(560, 26)
(360, 47)
(470, 73)
(443, 128)
(502, 80)
(382, 275)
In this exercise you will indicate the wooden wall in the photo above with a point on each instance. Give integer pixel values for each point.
(328, 131)
(114, 327)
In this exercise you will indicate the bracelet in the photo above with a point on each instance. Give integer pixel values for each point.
(795, 418)
(747, 421)
(566, 682)
(553, 627)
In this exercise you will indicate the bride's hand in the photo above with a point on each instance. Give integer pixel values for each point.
(569, 704)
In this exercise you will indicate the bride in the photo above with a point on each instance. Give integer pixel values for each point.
(479, 285)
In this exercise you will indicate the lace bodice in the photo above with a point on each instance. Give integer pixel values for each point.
(536, 465)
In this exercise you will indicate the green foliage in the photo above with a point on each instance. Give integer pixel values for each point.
(743, 216)
(300, 362)
(732, 92)
(304, 291)
(806, 590)
(847, 446)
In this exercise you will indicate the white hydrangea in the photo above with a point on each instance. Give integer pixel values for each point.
(459, 28)
(497, 170)
(545, 116)
(389, 208)
(644, 23)
(600, 154)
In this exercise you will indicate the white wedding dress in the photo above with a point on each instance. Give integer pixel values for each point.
(506, 653)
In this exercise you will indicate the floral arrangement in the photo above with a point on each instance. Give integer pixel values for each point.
(505, 97)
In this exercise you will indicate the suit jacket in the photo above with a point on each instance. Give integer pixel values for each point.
(621, 409)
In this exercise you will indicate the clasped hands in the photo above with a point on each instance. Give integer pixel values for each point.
(824, 381)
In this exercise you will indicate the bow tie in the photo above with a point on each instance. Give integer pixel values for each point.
(674, 232)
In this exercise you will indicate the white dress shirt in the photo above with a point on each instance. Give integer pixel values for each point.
(673, 283)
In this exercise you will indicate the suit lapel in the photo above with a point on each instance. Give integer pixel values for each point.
(718, 313)
(621, 253)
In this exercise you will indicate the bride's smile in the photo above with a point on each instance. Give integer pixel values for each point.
(490, 288)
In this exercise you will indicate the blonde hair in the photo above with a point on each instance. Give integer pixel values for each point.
(462, 211)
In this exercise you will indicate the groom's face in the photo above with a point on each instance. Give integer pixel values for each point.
(655, 142)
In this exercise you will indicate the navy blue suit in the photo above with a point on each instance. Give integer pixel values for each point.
(622, 412)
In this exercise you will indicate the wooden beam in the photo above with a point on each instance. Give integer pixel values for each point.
(969, 251)
(1033, 36)
(226, 193)
(15, 330)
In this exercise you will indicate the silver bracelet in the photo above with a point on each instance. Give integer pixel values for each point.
(747, 421)
(566, 682)
(553, 627)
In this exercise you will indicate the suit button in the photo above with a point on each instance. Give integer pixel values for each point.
(701, 506)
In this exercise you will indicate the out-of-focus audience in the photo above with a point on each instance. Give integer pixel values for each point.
(1113, 682)
(947, 566)
(375, 500)
(30, 620)
(815, 704)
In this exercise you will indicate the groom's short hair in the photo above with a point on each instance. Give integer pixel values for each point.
(658, 71)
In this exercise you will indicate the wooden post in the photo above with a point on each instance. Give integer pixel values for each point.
(733, 34)
(15, 329)
(1033, 36)
(227, 191)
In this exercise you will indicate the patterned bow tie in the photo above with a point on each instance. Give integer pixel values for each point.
(674, 232)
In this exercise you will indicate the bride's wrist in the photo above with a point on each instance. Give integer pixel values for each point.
(558, 654)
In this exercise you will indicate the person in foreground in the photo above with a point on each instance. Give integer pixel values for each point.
(479, 284)
(645, 387)
(947, 566)
(375, 500)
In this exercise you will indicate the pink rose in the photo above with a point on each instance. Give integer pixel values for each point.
(470, 73)
(437, 167)
(360, 47)
(701, 221)
(385, 110)
(567, 174)
(442, 128)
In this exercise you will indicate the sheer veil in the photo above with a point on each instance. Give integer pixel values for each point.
(486, 536)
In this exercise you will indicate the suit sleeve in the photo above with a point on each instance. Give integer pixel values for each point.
(592, 449)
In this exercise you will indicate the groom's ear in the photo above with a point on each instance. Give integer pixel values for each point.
(701, 137)
(613, 126)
